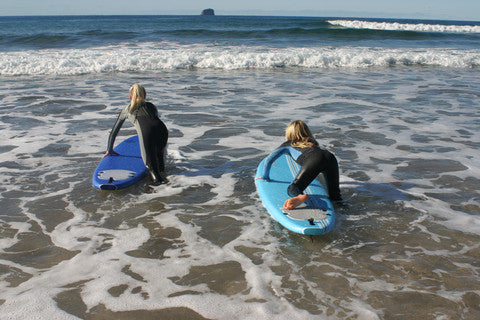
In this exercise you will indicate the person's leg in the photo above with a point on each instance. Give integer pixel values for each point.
(295, 190)
(332, 178)
(150, 147)
(310, 168)
(153, 166)
(161, 138)
(313, 163)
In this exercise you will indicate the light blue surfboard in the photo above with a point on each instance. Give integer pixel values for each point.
(274, 175)
(122, 170)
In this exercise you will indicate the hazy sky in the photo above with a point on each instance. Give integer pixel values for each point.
(428, 9)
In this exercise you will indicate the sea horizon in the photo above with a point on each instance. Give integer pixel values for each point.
(248, 15)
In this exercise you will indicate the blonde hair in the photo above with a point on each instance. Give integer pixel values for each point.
(137, 96)
(299, 134)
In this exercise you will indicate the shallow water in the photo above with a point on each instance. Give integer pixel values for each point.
(406, 243)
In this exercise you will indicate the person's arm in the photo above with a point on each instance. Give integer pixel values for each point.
(116, 128)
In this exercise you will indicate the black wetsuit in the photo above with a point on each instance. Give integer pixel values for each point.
(152, 134)
(313, 161)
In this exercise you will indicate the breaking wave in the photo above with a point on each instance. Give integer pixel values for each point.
(148, 57)
(396, 26)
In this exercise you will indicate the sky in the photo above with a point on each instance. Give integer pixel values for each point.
(416, 9)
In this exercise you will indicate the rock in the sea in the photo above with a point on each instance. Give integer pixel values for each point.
(208, 12)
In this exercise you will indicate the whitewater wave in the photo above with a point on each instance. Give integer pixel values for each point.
(155, 57)
(395, 26)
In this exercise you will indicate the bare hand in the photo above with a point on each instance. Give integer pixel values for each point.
(111, 153)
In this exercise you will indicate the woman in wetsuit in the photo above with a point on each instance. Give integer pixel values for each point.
(152, 132)
(313, 161)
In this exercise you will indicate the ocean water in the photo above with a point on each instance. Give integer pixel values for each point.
(397, 101)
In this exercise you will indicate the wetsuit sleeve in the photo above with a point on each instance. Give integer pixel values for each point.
(116, 127)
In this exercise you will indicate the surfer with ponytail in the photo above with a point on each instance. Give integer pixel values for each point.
(152, 132)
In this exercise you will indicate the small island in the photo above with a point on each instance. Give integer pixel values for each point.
(208, 12)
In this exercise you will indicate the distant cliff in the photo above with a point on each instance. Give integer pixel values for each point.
(208, 12)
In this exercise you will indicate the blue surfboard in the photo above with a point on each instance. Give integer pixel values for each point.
(122, 170)
(274, 174)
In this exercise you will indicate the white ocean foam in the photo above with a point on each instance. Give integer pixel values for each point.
(452, 218)
(396, 26)
(363, 310)
(152, 57)
(269, 296)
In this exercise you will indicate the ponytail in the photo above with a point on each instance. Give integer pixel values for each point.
(137, 97)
